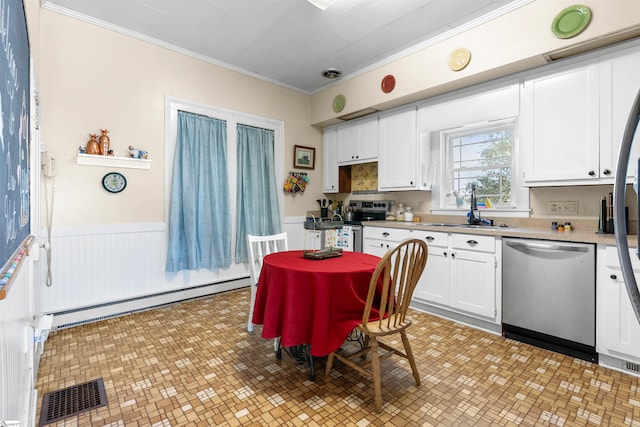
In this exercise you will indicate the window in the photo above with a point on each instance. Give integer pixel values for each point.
(480, 155)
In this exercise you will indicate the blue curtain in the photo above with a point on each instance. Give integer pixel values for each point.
(257, 208)
(200, 222)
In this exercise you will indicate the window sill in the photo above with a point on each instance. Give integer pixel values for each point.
(116, 162)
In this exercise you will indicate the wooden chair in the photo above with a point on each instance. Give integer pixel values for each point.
(390, 291)
(259, 247)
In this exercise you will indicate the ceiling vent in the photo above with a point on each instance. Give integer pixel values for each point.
(358, 114)
(592, 44)
(331, 73)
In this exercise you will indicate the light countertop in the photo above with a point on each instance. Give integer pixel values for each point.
(581, 236)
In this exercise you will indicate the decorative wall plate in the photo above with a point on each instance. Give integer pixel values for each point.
(459, 58)
(388, 83)
(338, 103)
(571, 21)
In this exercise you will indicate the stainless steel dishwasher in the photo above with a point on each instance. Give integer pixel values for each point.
(549, 295)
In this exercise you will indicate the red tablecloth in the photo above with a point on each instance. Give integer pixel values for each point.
(316, 302)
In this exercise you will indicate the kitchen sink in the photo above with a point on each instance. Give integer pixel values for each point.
(479, 226)
(490, 227)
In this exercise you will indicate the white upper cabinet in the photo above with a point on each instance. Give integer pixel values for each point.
(330, 174)
(573, 119)
(619, 85)
(358, 142)
(399, 164)
(560, 131)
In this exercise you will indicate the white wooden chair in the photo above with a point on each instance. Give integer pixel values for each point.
(259, 247)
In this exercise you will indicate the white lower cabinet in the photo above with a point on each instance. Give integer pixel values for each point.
(379, 240)
(434, 282)
(617, 329)
(461, 274)
(473, 274)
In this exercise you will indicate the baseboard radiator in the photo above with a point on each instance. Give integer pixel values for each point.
(95, 313)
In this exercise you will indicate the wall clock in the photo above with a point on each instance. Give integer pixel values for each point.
(114, 182)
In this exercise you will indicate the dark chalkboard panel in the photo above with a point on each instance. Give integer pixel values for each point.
(14, 129)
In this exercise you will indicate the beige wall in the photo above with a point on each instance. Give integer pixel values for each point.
(510, 43)
(93, 78)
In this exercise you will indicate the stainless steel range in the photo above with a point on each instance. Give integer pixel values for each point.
(363, 211)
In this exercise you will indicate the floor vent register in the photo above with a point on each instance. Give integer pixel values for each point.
(74, 400)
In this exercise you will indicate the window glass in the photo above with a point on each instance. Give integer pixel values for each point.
(480, 155)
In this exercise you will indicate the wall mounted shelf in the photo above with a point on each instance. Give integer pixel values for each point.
(116, 162)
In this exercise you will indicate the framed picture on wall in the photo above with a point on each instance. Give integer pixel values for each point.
(304, 157)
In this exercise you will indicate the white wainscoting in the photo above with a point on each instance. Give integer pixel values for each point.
(17, 312)
(101, 271)
(96, 266)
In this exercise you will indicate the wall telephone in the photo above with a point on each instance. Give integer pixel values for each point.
(49, 164)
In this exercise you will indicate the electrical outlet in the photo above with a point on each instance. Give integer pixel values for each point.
(563, 208)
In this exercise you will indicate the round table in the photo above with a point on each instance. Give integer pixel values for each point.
(315, 302)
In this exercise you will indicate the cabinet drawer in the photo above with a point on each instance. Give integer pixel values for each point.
(393, 234)
(613, 262)
(432, 238)
(473, 242)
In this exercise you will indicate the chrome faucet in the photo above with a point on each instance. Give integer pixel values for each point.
(474, 213)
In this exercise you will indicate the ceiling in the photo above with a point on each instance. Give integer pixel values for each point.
(288, 42)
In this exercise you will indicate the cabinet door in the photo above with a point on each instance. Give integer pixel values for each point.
(398, 162)
(329, 161)
(560, 125)
(433, 285)
(346, 144)
(377, 247)
(619, 85)
(621, 329)
(617, 329)
(368, 140)
(473, 282)
(379, 240)
(358, 142)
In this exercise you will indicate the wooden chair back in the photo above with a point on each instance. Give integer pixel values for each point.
(393, 282)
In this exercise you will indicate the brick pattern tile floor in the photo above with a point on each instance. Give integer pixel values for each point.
(194, 364)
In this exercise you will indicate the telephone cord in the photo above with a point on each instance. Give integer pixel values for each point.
(49, 212)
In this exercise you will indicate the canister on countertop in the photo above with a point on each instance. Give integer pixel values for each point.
(408, 214)
(391, 212)
(567, 226)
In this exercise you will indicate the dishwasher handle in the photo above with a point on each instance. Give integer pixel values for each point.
(546, 246)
